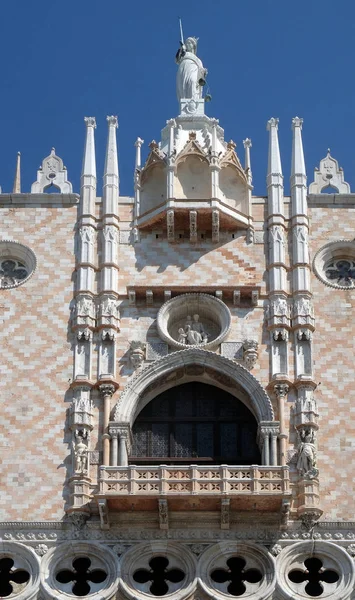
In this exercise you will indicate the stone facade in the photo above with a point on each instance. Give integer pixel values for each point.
(107, 302)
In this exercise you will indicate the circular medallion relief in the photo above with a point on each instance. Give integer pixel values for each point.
(315, 569)
(19, 572)
(158, 569)
(334, 264)
(80, 570)
(237, 569)
(17, 264)
(194, 320)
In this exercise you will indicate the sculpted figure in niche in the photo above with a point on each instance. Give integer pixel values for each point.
(182, 336)
(80, 454)
(194, 331)
(280, 307)
(191, 73)
(307, 456)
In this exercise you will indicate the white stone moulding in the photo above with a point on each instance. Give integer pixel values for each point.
(213, 314)
(133, 394)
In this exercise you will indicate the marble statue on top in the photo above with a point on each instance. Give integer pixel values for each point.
(191, 75)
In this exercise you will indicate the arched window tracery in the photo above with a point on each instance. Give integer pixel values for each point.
(195, 423)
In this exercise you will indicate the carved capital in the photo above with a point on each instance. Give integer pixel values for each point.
(107, 389)
(272, 123)
(90, 122)
(281, 390)
(112, 121)
(139, 142)
(114, 431)
(297, 122)
(247, 143)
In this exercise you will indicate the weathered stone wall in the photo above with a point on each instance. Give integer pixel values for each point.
(36, 364)
(333, 355)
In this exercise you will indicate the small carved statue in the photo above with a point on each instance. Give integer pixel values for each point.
(307, 455)
(195, 332)
(137, 354)
(81, 455)
(281, 308)
(182, 336)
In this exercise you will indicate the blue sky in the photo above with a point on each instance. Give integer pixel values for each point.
(63, 61)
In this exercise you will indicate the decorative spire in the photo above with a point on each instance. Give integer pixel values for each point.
(17, 181)
(274, 162)
(247, 145)
(89, 161)
(274, 177)
(298, 171)
(111, 162)
(111, 177)
(138, 144)
(298, 166)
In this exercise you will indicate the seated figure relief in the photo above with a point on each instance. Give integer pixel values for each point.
(193, 333)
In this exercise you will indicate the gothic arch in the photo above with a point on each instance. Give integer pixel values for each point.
(192, 364)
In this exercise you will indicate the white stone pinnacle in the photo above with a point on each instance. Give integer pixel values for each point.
(298, 165)
(89, 162)
(274, 160)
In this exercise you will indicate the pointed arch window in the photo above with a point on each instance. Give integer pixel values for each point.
(195, 423)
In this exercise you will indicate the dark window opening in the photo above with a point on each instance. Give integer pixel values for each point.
(10, 576)
(81, 576)
(195, 423)
(159, 575)
(236, 575)
(315, 574)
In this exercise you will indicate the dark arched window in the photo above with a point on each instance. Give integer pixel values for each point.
(195, 423)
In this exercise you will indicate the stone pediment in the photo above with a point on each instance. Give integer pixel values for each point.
(192, 148)
(230, 158)
(155, 156)
(329, 174)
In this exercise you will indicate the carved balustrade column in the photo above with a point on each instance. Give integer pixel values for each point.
(124, 445)
(268, 436)
(273, 447)
(114, 432)
(107, 391)
(281, 391)
(266, 448)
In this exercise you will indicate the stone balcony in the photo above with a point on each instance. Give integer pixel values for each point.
(194, 487)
